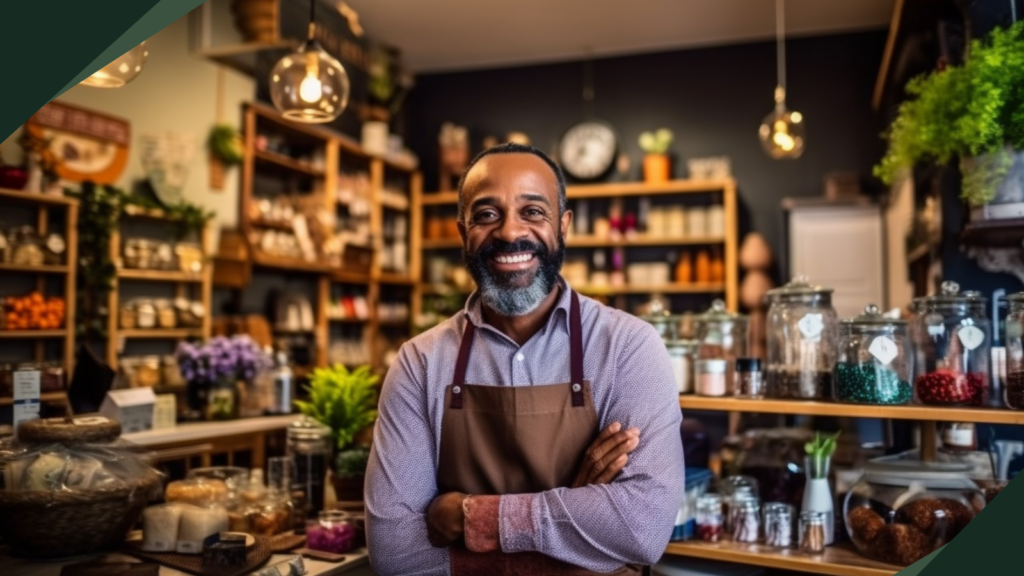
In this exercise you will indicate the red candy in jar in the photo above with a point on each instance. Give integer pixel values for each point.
(948, 387)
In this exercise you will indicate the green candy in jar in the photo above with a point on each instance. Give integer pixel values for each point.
(870, 384)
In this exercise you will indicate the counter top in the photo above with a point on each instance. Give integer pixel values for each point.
(356, 563)
(196, 431)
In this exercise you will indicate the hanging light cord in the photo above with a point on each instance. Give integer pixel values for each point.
(312, 18)
(780, 49)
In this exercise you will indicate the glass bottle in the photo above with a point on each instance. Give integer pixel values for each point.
(801, 331)
(684, 269)
(702, 268)
(284, 385)
(874, 360)
(309, 445)
(951, 348)
(749, 380)
(1014, 340)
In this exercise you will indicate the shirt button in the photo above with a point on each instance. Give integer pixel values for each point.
(456, 390)
(575, 387)
(520, 357)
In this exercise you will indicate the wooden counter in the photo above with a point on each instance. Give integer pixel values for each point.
(839, 560)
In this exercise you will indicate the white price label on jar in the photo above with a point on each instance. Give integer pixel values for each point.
(971, 337)
(936, 330)
(811, 326)
(884, 349)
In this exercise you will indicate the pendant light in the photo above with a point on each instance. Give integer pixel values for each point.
(309, 85)
(121, 71)
(782, 131)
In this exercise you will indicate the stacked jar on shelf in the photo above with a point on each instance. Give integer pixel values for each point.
(721, 340)
(874, 360)
(802, 327)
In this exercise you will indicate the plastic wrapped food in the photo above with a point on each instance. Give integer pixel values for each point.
(198, 491)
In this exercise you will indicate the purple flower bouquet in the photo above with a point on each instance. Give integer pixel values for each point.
(222, 359)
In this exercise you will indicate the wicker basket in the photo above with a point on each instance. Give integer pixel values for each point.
(40, 524)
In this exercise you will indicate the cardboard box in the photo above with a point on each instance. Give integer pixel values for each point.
(132, 407)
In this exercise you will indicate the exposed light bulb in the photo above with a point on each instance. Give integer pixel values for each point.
(311, 89)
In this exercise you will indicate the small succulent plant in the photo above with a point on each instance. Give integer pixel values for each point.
(656, 142)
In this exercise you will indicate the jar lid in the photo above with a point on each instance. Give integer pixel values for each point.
(713, 365)
(798, 286)
(1017, 298)
(719, 313)
(872, 316)
(307, 428)
(748, 364)
(684, 344)
(950, 293)
(904, 473)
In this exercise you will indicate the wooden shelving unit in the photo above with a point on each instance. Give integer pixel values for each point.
(182, 281)
(337, 150)
(837, 560)
(729, 242)
(43, 204)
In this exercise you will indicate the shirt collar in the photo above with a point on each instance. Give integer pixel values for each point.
(560, 314)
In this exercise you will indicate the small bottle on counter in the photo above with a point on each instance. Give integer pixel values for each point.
(709, 517)
(749, 380)
(711, 377)
(778, 524)
(812, 532)
(284, 385)
(746, 520)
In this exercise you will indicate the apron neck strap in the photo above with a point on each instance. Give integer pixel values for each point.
(575, 355)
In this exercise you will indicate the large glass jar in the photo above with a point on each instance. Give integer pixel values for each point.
(1015, 352)
(951, 348)
(309, 445)
(722, 335)
(874, 360)
(802, 327)
(900, 513)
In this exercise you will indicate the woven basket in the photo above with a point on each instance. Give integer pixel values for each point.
(39, 524)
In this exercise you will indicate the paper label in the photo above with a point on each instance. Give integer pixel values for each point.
(25, 396)
(160, 546)
(189, 547)
(971, 337)
(811, 326)
(883, 349)
(936, 330)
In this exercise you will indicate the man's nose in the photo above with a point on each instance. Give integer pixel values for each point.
(511, 229)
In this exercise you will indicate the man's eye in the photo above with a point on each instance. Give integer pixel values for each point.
(533, 213)
(485, 215)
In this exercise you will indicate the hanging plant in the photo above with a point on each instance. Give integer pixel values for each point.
(225, 143)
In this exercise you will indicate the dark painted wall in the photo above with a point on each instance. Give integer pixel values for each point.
(713, 99)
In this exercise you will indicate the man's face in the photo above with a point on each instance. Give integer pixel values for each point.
(513, 235)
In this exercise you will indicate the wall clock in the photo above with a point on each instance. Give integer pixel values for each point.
(587, 150)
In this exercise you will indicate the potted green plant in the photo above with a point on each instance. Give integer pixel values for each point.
(346, 402)
(973, 113)
(657, 165)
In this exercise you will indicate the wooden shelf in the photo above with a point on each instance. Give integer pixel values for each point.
(812, 408)
(392, 278)
(594, 242)
(839, 560)
(159, 275)
(44, 397)
(291, 264)
(276, 225)
(281, 161)
(615, 190)
(33, 269)
(390, 204)
(343, 320)
(28, 334)
(664, 289)
(440, 198)
(441, 243)
(168, 333)
(345, 277)
(36, 198)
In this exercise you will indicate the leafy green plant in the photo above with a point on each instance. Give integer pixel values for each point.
(656, 142)
(974, 112)
(352, 463)
(344, 401)
(820, 450)
(225, 143)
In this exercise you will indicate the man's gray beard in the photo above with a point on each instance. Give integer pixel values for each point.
(514, 301)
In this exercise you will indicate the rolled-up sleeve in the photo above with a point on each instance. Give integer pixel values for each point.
(400, 476)
(602, 527)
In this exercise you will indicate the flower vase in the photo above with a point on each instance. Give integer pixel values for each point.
(222, 401)
(818, 493)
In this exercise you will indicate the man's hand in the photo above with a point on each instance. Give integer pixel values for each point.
(607, 455)
(445, 519)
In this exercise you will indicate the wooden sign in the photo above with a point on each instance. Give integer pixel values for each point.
(89, 145)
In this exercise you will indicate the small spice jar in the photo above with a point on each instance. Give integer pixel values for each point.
(711, 377)
(812, 532)
(778, 524)
(1014, 390)
(951, 349)
(681, 353)
(332, 532)
(746, 520)
(749, 380)
(874, 360)
(127, 315)
(145, 314)
(165, 314)
(709, 517)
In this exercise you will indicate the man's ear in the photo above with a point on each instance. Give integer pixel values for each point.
(566, 222)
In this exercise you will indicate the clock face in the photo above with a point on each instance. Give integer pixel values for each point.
(587, 150)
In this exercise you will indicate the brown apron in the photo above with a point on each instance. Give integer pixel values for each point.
(512, 440)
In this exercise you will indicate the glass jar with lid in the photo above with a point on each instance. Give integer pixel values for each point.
(682, 354)
(145, 314)
(802, 327)
(874, 360)
(309, 445)
(951, 347)
(899, 512)
(722, 335)
(1014, 340)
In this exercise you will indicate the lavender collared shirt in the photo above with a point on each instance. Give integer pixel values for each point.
(598, 527)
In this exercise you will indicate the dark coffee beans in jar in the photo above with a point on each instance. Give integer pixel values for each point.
(870, 384)
(795, 384)
(948, 387)
(1015, 390)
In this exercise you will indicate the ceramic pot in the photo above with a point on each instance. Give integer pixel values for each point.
(1009, 200)
(657, 168)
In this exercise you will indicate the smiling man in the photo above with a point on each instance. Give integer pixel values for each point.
(536, 431)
